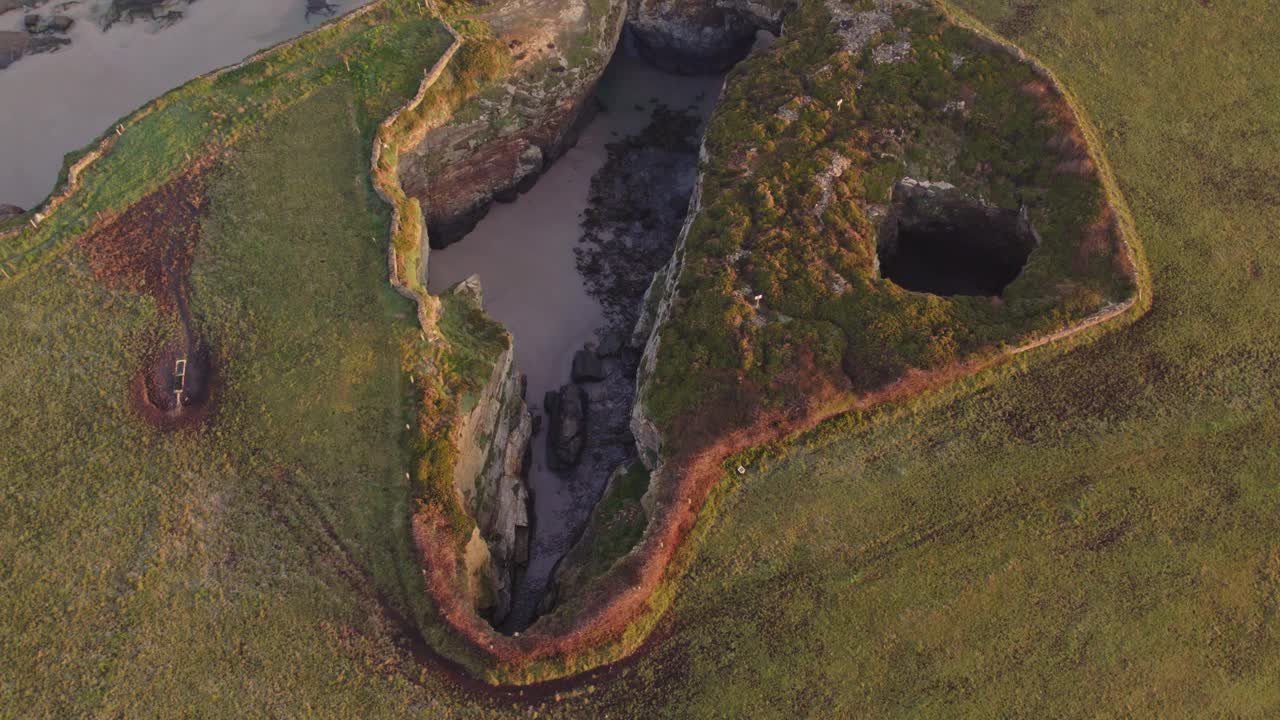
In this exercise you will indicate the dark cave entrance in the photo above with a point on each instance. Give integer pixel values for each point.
(942, 242)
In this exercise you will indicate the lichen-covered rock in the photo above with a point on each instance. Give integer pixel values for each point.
(498, 142)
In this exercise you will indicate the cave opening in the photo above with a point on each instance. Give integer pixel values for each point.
(944, 243)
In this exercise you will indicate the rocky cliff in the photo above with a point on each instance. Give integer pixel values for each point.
(498, 142)
(699, 36)
(493, 459)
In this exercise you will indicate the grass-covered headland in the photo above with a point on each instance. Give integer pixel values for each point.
(1066, 534)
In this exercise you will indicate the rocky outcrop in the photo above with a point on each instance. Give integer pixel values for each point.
(658, 300)
(493, 446)
(13, 45)
(567, 421)
(587, 366)
(496, 145)
(10, 211)
(701, 36)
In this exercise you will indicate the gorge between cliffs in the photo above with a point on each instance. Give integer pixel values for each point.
(564, 266)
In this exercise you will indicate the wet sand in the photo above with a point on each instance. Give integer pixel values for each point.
(523, 253)
(55, 103)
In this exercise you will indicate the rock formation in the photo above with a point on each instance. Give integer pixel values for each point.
(567, 426)
(497, 144)
(493, 446)
(701, 36)
(587, 366)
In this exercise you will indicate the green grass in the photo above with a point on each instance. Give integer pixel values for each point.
(617, 524)
(1077, 534)
(809, 251)
(197, 571)
(1084, 534)
(367, 52)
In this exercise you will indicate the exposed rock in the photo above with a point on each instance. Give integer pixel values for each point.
(587, 366)
(320, 7)
(498, 143)
(162, 11)
(46, 43)
(10, 211)
(7, 5)
(658, 302)
(61, 23)
(567, 416)
(33, 23)
(857, 27)
(493, 445)
(891, 53)
(12, 46)
(611, 344)
(701, 36)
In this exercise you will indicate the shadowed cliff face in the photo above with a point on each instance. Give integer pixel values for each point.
(528, 254)
(693, 37)
(498, 143)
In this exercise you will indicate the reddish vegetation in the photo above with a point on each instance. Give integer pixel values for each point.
(149, 249)
(683, 486)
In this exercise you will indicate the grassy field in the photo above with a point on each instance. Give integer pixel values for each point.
(1095, 534)
(146, 148)
(1085, 534)
(220, 573)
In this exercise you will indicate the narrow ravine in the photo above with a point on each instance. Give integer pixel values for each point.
(55, 102)
(544, 263)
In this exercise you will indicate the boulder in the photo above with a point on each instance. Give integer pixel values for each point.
(32, 23)
(587, 366)
(46, 43)
(611, 344)
(61, 23)
(12, 47)
(567, 432)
